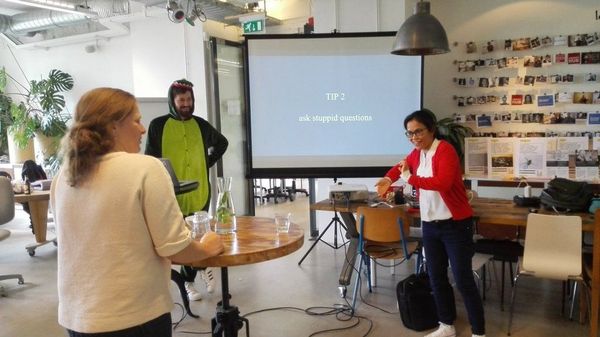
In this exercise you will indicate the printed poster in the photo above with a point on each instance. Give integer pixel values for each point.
(558, 150)
(476, 157)
(586, 165)
(531, 156)
(500, 158)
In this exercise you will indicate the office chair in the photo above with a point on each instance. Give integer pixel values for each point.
(7, 213)
(552, 251)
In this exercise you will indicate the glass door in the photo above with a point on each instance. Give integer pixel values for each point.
(226, 109)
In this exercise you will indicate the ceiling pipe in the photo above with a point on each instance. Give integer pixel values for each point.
(39, 20)
(21, 24)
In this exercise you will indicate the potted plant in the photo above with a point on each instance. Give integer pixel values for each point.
(5, 117)
(41, 113)
(16, 128)
(455, 133)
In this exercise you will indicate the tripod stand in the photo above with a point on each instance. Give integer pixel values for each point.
(337, 225)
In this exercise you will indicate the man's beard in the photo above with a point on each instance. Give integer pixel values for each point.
(185, 114)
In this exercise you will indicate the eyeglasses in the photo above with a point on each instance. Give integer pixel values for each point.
(416, 133)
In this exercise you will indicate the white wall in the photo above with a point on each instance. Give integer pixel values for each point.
(485, 20)
(110, 65)
(158, 51)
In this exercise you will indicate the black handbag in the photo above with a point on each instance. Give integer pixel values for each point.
(416, 303)
(567, 195)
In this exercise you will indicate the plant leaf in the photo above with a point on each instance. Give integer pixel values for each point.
(59, 81)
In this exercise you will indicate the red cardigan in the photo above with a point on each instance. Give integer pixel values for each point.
(447, 179)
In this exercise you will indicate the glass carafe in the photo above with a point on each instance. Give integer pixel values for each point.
(225, 212)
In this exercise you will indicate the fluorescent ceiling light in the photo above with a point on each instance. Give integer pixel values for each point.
(55, 6)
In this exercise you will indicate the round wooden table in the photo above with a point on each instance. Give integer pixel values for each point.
(255, 240)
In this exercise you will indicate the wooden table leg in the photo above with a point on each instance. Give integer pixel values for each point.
(39, 219)
(595, 300)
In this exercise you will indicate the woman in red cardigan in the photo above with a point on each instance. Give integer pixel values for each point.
(433, 168)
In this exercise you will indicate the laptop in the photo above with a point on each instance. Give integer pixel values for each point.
(181, 186)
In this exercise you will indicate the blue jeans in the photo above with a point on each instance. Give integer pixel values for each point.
(453, 240)
(158, 327)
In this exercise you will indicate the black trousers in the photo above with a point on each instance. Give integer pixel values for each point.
(158, 327)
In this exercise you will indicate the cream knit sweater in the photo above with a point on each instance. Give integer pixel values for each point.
(114, 233)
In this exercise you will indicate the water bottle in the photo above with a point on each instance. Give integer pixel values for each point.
(200, 224)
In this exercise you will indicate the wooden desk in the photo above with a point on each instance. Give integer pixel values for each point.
(38, 208)
(487, 211)
(256, 240)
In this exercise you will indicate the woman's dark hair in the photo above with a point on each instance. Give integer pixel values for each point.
(425, 117)
(32, 172)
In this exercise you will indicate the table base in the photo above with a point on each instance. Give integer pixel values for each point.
(32, 246)
(227, 320)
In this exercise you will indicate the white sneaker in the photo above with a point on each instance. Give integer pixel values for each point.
(193, 294)
(209, 278)
(474, 335)
(444, 330)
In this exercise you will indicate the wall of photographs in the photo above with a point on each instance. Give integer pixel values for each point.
(534, 103)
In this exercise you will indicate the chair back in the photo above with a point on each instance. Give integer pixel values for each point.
(553, 246)
(7, 201)
(382, 224)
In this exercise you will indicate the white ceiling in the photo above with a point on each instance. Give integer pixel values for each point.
(225, 11)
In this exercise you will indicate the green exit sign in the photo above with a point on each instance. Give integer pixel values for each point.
(254, 26)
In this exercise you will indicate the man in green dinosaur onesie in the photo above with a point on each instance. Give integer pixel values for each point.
(193, 146)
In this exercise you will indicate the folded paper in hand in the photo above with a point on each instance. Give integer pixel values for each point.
(41, 185)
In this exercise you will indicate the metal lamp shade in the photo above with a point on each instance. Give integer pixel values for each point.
(421, 34)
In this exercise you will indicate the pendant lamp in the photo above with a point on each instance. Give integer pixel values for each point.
(421, 34)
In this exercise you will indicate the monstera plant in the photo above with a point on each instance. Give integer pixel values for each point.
(40, 111)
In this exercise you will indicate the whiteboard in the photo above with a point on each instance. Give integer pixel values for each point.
(150, 108)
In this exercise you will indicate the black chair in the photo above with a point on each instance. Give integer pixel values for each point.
(277, 192)
(501, 242)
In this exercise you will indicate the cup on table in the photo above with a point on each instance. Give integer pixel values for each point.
(282, 222)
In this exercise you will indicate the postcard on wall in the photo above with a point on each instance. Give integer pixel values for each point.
(560, 58)
(564, 97)
(531, 156)
(476, 156)
(594, 118)
(590, 57)
(521, 44)
(583, 97)
(581, 118)
(484, 121)
(516, 99)
(545, 100)
(574, 58)
(500, 157)
(560, 40)
(577, 40)
(512, 62)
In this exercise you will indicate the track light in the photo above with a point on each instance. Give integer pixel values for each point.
(188, 10)
(175, 11)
